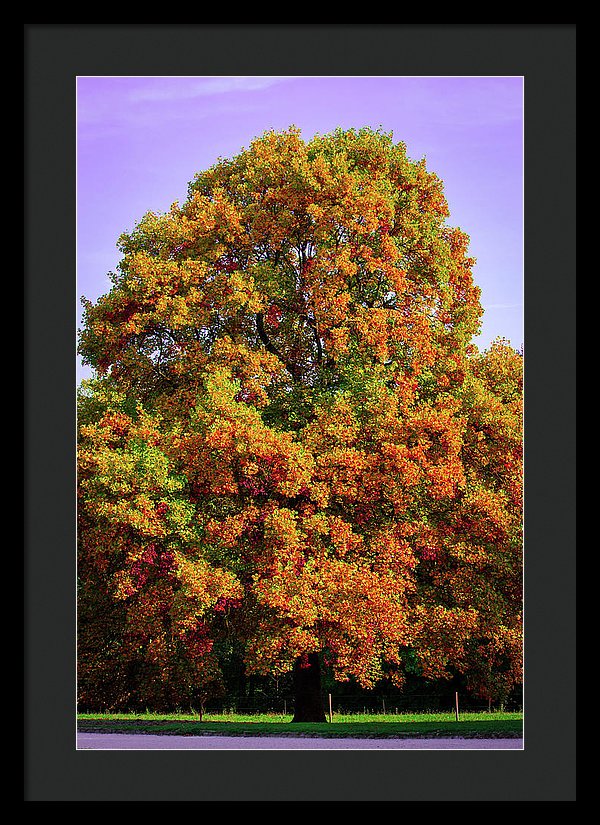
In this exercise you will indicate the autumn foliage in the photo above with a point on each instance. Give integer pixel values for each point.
(291, 439)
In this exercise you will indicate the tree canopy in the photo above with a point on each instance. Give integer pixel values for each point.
(291, 440)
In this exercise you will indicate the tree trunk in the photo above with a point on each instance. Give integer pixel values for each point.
(307, 685)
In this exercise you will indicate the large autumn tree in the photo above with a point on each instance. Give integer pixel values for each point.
(291, 439)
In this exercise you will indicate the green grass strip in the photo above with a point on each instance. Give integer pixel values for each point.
(473, 726)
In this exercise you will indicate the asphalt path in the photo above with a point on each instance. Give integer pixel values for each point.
(136, 741)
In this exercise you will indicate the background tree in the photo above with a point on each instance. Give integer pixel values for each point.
(138, 645)
(289, 455)
(488, 521)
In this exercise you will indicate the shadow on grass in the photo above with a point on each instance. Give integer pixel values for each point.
(506, 728)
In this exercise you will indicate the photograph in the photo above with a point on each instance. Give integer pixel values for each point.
(300, 408)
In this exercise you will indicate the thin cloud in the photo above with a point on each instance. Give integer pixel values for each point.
(179, 89)
(470, 101)
(502, 306)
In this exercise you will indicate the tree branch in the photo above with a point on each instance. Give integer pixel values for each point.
(270, 347)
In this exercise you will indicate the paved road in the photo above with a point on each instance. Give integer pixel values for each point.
(133, 741)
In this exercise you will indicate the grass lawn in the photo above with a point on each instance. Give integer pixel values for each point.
(470, 725)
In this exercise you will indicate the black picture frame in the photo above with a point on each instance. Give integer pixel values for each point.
(55, 54)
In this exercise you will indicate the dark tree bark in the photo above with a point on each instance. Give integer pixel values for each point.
(307, 685)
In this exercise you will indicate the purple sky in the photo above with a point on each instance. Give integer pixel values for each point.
(140, 140)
